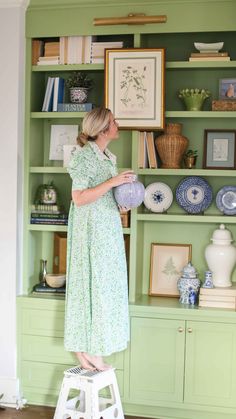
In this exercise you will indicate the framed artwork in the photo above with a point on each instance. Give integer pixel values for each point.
(167, 262)
(219, 149)
(68, 153)
(227, 89)
(61, 135)
(134, 87)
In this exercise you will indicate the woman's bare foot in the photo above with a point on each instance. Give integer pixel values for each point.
(97, 362)
(84, 362)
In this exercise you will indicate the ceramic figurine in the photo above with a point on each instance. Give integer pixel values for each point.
(208, 283)
(188, 285)
(221, 257)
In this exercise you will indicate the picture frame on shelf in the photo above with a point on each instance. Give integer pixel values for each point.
(219, 149)
(167, 262)
(227, 89)
(61, 135)
(132, 76)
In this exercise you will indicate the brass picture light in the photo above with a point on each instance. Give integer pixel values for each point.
(131, 19)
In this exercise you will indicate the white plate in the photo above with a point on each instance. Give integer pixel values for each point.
(214, 46)
(158, 197)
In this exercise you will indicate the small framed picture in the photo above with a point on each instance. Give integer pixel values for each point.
(68, 153)
(134, 86)
(227, 89)
(219, 149)
(167, 262)
(59, 136)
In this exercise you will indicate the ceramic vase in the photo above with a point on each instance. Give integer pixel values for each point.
(188, 285)
(221, 257)
(171, 146)
(79, 94)
(129, 195)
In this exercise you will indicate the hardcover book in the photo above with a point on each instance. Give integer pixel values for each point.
(74, 107)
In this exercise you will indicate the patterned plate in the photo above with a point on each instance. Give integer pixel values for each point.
(194, 194)
(226, 200)
(158, 197)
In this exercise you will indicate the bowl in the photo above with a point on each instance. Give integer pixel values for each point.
(211, 47)
(55, 280)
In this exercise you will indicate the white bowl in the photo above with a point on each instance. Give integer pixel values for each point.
(55, 280)
(213, 46)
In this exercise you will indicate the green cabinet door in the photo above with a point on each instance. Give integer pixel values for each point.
(210, 369)
(156, 360)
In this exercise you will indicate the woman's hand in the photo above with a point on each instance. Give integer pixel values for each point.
(128, 176)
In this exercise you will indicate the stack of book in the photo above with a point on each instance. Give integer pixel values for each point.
(51, 54)
(42, 289)
(147, 153)
(54, 94)
(218, 297)
(98, 49)
(48, 214)
(209, 56)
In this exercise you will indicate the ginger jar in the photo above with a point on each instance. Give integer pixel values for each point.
(221, 257)
(188, 285)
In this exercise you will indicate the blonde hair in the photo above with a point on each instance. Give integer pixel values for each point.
(94, 122)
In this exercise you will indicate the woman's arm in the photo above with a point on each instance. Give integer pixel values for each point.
(86, 196)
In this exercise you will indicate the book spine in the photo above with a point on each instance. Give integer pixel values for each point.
(74, 107)
(39, 215)
(48, 221)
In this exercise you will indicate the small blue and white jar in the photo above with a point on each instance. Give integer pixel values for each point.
(188, 285)
(208, 282)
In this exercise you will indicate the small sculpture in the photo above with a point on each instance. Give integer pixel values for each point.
(188, 285)
(208, 283)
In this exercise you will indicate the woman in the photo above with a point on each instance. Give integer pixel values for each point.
(97, 321)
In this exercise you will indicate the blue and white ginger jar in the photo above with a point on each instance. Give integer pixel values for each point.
(188, 285)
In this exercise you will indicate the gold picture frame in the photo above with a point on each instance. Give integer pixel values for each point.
(167, 262)
(134, 87)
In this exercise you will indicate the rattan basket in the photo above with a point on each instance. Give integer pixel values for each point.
(171, 146)
(224, 105)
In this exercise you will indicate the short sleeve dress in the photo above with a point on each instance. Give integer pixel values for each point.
(96, 317)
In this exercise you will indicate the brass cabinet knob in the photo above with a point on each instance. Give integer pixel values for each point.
(190, 330)
(180, 329)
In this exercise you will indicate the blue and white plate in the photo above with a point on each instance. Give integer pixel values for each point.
(158, 197)
(194, 194)
(226, 200)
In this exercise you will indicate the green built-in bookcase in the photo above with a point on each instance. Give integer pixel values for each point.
(184, 349)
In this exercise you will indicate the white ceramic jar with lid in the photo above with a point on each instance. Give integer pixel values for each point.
(221, 257)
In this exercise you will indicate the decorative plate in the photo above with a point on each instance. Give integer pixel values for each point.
(158, 197)
(226, 200)
(213, 46)
(194, 194)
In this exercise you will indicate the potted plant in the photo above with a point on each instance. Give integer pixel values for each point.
(79, 84)
(190, 158)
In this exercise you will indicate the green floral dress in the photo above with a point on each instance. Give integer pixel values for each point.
(96, 318)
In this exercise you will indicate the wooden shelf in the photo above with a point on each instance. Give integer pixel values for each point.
(51, 115)
(187, 218)
(51, 227)
(200, 114)
(187, 172)
(67, 67)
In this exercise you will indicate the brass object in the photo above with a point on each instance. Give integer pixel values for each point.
(180, 329)
(190, 162)
(131, 19)
(190, 330)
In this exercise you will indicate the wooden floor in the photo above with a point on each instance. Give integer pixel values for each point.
(35, 412)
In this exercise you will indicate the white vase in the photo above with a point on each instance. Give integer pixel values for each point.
(221, 257)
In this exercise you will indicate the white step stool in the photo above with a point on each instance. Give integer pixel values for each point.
(88, 404)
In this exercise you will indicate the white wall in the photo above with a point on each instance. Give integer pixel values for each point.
(11, 139)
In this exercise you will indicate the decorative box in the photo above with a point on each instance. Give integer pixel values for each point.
(224, 105)
(59, 253)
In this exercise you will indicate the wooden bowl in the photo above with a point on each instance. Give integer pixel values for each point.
(55, 280)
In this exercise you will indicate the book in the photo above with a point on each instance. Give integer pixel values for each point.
(209, 59)
(58, 93)
(61, 135)
(40, 288)
(50, 208)
(151, 151)
(53, 61)
(74, 107)
(142, 151)
(48, 221)
(227, 298)
(217, 304)
(37, 50)
(51, 48)
(41, 215)
(48, 97)
(209, 54)
(219, 291)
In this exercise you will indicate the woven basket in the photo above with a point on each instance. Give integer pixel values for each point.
(224, 105)
(171, 146)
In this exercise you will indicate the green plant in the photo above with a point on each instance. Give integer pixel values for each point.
(191, 153)
(79, 79)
